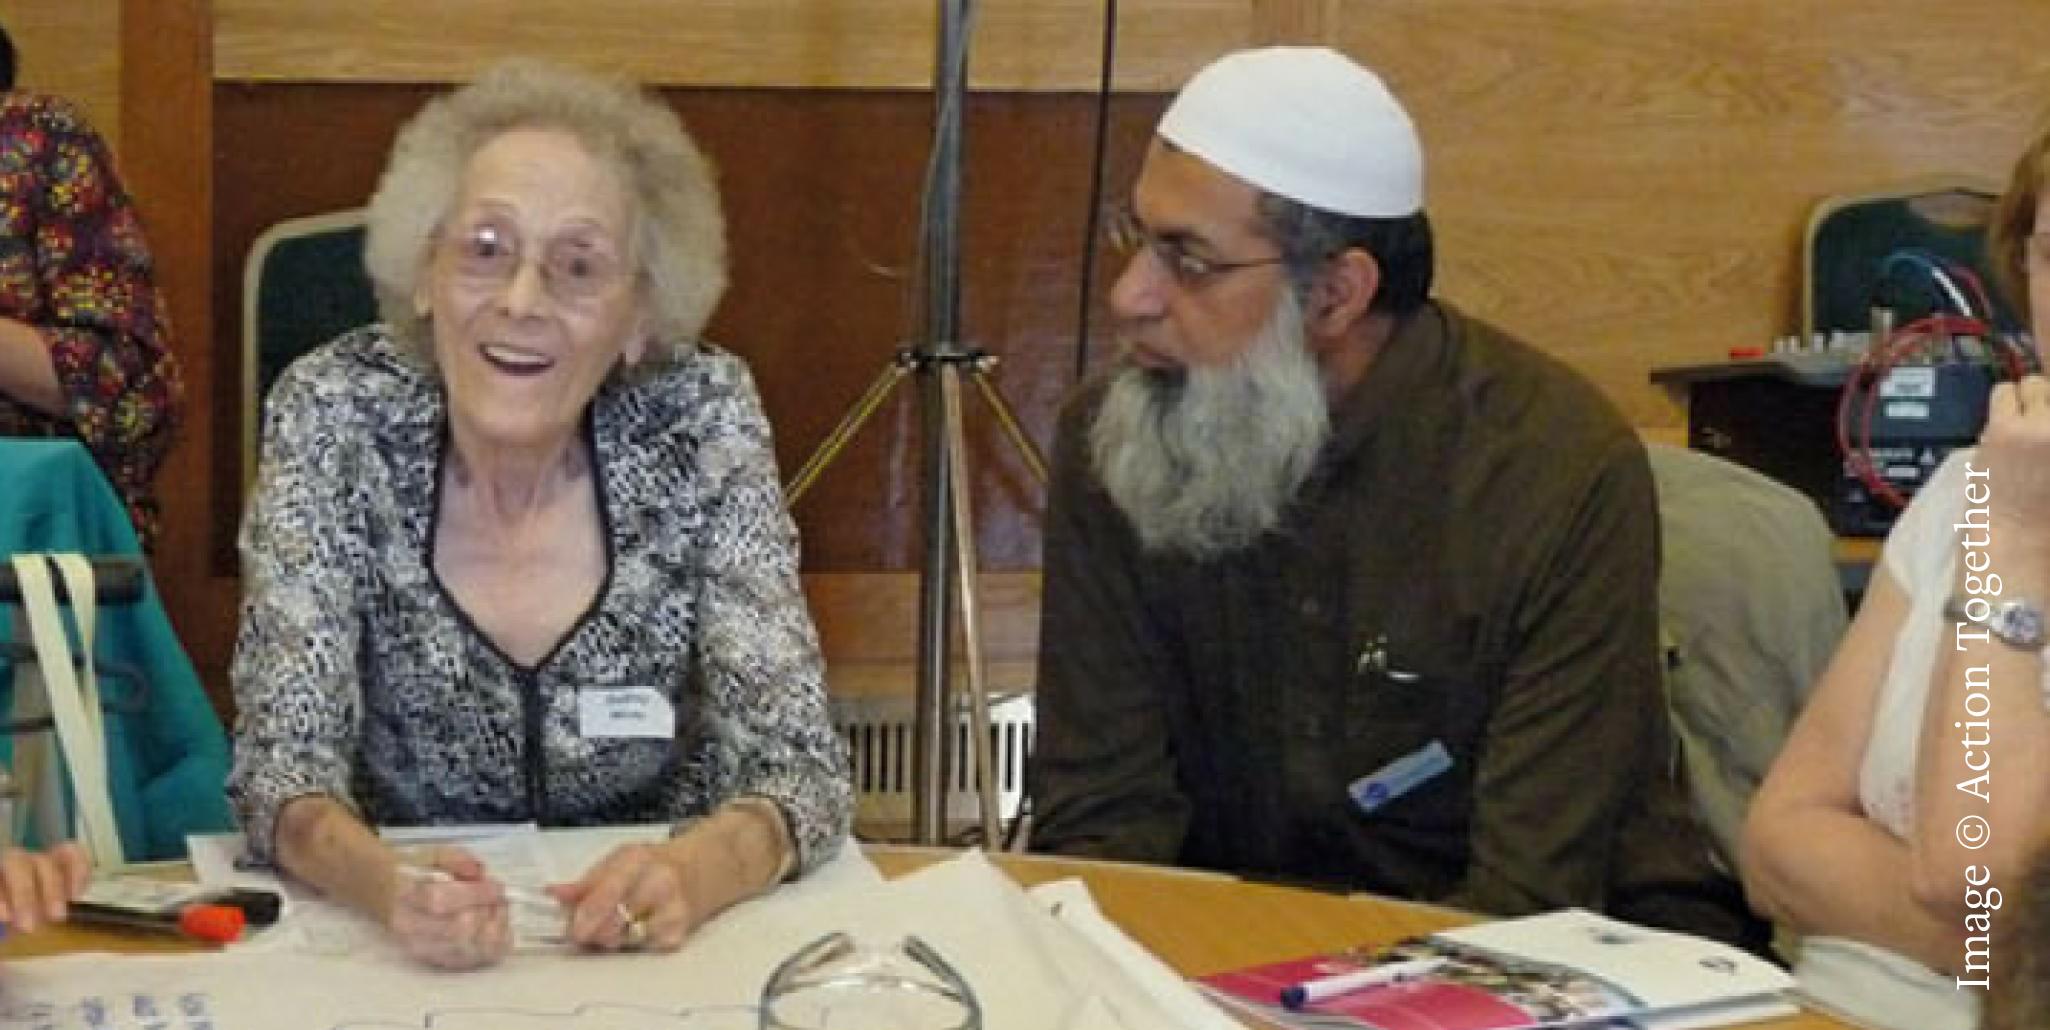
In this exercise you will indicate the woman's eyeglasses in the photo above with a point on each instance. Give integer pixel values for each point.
(576, 269)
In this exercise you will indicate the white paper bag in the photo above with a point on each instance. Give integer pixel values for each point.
(52, 686)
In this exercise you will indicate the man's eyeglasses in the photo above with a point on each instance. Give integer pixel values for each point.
(1127, 234)
(576, 269)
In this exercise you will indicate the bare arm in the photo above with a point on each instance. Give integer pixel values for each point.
(26, 372)
(738, 852)
(1811, 857)
(741, 850)
(457, 921)
(1986, 701)
(323, 843)
(92, 348)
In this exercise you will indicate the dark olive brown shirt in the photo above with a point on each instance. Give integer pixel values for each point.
(1472, 564)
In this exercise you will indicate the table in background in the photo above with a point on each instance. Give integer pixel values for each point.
(1199, 923)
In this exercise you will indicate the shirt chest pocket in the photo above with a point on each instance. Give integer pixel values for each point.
(1388, 693)
(1406, 754)
(1400, 698)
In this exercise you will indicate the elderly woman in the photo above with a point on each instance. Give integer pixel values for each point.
(520, 554)
(1883, 833)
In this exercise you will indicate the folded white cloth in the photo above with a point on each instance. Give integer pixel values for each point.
(1880, 989)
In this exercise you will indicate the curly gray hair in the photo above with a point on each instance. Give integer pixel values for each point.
(681, 235)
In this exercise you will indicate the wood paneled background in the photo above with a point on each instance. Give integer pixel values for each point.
(843, 44)
(1622, 181)
(1627, 182)
(71, 48)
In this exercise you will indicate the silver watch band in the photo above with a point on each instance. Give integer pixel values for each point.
(2016, 622)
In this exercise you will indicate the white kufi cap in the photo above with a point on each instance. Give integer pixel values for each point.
(1306, 123)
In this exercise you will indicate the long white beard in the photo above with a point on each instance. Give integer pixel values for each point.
(1206, 462)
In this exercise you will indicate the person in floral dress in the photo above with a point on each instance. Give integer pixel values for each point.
(85, 342)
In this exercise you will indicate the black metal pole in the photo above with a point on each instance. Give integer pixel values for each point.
(933, 731)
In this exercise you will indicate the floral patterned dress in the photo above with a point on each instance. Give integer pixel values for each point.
(73, 264)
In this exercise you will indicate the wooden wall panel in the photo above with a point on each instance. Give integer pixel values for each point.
(71, 48)
(842, 44)
(168, 125)
(1627, 182)
(1292, 22)
(821, 198)
(1623, 181)
(868, 629)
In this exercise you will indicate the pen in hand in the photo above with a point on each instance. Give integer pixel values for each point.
(536, 904)
(516, 895)
(1310, 992)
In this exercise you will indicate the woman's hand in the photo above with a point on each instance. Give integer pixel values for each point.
(634, 898)
(653, 895)
(451, 914)
(38, 888)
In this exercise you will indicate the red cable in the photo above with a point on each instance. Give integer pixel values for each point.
(1873, 369)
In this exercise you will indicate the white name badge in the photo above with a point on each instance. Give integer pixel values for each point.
(624, 712)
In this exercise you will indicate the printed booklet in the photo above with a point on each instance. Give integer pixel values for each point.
(1571, 968)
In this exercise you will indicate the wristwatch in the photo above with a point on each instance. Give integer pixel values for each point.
(2017, 623)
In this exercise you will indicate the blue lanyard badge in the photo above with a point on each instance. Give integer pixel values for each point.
(1399, 777)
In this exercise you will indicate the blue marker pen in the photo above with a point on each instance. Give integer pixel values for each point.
(1309, 992)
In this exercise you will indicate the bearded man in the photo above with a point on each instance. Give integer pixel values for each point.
(1343, 586)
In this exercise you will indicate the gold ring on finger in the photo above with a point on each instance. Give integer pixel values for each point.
(633, 929)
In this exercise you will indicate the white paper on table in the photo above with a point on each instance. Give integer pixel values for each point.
(219, 860)
(217, 863)
(516, 853)
(515, 856)
(1071, 903)
(1020, 959)
(1030, 969)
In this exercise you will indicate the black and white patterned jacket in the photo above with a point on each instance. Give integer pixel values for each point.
(358, 676)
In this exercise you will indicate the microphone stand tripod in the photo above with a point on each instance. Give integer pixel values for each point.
(949, 555)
